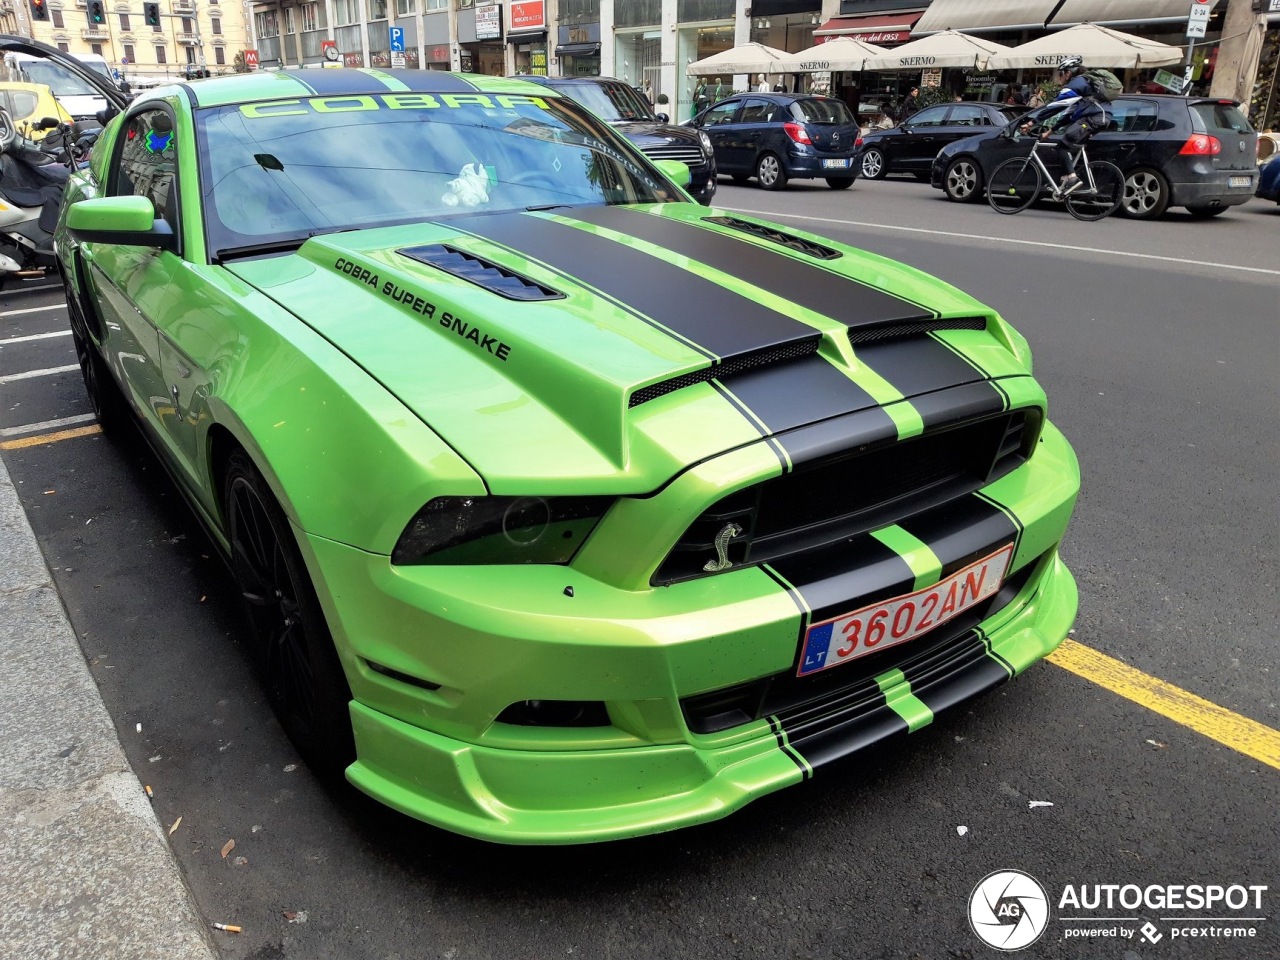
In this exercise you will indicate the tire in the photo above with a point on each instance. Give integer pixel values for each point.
(840, 183)
(292, 645)
(770, 173)
(105, 398)
(874, 165)
(1146, 194)
(1103, 200)
(1014, 185)
(1207, 213)
(962, 180)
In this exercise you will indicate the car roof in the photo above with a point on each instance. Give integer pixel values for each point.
(342, 82)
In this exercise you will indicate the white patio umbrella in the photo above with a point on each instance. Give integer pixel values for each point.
(837, 55)
(950, 48)
(1099, 46)
(747, 58)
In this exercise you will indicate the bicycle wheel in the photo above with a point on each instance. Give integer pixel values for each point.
(1014, 185)
(1103, 199)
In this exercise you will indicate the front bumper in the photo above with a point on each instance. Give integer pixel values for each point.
(434, 655)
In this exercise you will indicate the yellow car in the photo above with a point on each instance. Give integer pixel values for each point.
(28, 104)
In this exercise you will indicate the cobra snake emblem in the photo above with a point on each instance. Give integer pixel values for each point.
(727, 533)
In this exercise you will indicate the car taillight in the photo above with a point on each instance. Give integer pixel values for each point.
(858, 142)
(1201, 145)
(797, 132)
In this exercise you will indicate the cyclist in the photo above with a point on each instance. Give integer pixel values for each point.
(1078, 122)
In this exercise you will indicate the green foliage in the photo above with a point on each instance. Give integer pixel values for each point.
(929, 96)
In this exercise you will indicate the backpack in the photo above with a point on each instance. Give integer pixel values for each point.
(1104, 86)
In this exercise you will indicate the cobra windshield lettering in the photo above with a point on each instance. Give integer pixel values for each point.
(359, 103)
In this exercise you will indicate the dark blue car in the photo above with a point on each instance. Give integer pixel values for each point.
(1269, 179)
(777, 137)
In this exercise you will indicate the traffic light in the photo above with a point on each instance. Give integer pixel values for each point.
(38, 10)
(151, 14)
(96, 12)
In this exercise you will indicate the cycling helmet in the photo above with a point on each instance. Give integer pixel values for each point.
(1072, 65)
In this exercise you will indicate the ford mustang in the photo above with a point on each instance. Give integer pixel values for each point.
(563, 508)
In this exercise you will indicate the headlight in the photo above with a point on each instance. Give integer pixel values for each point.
(706, 142)
(478, 530)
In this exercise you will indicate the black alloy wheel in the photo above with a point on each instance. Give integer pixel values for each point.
(292, 645)
(105, 399)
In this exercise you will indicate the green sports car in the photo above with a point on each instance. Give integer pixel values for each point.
(563, 508)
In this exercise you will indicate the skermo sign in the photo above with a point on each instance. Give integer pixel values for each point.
(917, 61)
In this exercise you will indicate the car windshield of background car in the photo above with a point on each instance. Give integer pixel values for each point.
(61, 81)
(614, 102)
(285, 170)
(821, 111)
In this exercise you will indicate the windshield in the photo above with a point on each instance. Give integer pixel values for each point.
(821, 110)
(60, 80)
(610, 101)
(286, 170)
(99, 68)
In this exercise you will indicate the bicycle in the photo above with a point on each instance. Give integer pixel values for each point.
(1017, 183)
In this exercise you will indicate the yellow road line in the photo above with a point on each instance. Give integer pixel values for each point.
(1241, 734)
(50, 437)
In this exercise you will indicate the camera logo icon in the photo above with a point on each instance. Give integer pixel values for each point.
(1008, 910)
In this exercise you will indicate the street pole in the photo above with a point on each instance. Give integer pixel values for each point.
(1238, 56)
(204, 69)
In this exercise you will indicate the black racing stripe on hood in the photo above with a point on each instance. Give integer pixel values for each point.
(920, 364)
(805, 282)
(962, 531)
(845, 576)
(433, 81)
(967, 402)
(799, 393)
(720, 321)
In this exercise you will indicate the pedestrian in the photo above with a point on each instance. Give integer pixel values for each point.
(911, 104)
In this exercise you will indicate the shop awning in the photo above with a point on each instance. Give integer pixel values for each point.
(879, 29)
(1118, 12)
(528, 36)
(578, 50)
(975, 16)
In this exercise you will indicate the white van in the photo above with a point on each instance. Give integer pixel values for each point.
(77, 96)
(98, 64)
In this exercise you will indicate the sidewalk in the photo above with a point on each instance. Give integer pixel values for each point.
(87, 870)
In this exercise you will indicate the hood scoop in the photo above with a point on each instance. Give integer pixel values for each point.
(898, 329)
(483, 273)
(769, 357)
(790, 241)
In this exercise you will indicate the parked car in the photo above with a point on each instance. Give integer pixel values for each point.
(911, 146)
(28, 104)
(1269, 179)
(560, 510)
(1193, 152)
(628, 112)
(777, 137)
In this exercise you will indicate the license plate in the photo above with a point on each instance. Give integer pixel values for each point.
(1240, 181)
(841, 164)
(886, 624)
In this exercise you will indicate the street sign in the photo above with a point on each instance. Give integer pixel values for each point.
(397, 61)
(397, 39)
(1198, 18)
(251, 59)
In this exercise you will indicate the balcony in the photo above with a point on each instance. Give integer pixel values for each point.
(184, 7)
(187, 39)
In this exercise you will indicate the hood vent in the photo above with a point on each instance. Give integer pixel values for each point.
(481, 272)
(769, 357)
(790, 241)
(897, 329)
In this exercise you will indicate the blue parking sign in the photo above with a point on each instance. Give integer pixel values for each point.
(397, 39)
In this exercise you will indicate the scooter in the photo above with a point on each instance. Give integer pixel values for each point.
(32, 181)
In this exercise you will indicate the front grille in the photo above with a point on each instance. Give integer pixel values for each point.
(835, 696)
(688, 153)
(851, 493)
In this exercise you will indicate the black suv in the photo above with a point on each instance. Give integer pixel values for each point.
(1193, 152)
(627, 111)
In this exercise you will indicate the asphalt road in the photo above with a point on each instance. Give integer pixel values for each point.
(1158, 345)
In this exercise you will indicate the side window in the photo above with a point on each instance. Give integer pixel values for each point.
(147, 163)
(721, 113)
(967, 116)
(757, 111)
(1132, 116)
(929, 117)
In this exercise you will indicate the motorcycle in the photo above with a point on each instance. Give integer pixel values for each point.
(32, 179)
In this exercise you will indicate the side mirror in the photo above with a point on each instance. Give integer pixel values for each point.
(674, 170)
(47, 123)
(125, 220)
(662, 118)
